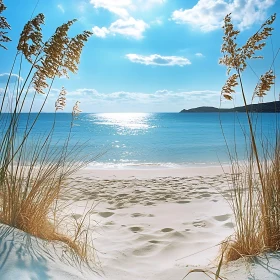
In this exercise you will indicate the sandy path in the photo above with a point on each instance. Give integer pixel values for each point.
(148, 225)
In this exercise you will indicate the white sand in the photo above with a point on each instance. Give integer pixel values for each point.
(24, 257)
(153, 224)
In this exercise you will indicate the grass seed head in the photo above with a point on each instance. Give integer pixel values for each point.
(266, 81)
(227, 89)
(61, 101)
(31, 32)
(235, 57)
(3, 25)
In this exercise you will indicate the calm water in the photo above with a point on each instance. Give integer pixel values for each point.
(160, 139)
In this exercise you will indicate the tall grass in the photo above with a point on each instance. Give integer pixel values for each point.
(32, 170)
(255, 182)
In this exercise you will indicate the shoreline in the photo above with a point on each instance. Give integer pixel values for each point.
(148, 173)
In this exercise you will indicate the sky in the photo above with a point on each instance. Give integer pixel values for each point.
(147, 55)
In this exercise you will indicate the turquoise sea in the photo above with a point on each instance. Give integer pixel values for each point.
(144, 140)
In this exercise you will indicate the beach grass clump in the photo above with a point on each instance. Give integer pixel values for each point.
(33, 171)
(255, 182)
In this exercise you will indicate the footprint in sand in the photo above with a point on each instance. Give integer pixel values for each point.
(154, 241)
(136, 229)
(183, 201)
(136, 215)
(222, 218)
(106, 214)
(229, 225)
(199, 224)
(167, 229)
(149, 203)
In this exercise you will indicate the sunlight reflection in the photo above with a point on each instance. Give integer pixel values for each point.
(125, 122)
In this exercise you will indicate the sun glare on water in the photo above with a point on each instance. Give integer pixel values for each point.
(125, 122)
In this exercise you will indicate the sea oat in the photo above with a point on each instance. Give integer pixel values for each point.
(76, 110)
(255, 193)
(52, 60)
(227, 89)
(33, 170)
(229, 46)
(61, 54)
(31, 32)
(61, 101)
(266, 81)
(257, 41)
(234, 56)
(3, 25)
(73, 52)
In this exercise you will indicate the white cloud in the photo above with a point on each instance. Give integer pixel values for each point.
(116, 7)
(126, 101)
(13, 79)
(126, 25)
(123, 8)
(100, 32)
(120, 96)
(199, 54)
(88, 95)
(122, 101)
(61, 8)
(163, 91)
(208, 15)
(156, 59)
(129, 27)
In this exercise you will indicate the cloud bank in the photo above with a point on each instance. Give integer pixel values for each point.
(156, 59)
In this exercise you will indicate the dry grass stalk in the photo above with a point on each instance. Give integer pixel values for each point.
(208, 272)
(255, 183)
(32, 173)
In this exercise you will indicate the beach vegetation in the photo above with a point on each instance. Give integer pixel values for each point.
(209, 273)
(255, 182)
(4, 26)
(33, 171)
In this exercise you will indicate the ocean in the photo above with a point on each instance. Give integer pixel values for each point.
(145, 140)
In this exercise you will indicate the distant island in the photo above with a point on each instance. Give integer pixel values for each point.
(268, 107)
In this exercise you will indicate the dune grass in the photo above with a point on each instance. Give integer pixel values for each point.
(255, 182)
(32, 170)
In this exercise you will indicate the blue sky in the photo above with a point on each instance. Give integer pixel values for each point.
(147, 55)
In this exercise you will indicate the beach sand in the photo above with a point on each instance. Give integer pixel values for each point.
(156, 224)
